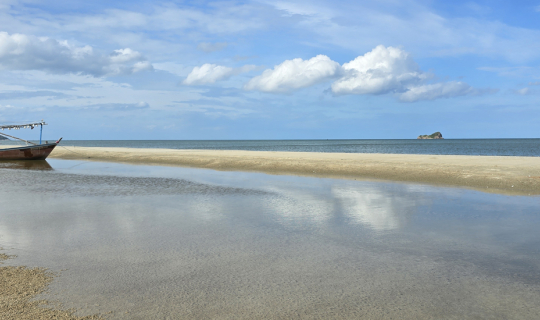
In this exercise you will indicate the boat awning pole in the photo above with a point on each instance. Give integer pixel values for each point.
(40, 133)
(7, 135)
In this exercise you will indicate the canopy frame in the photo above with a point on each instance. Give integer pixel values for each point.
(23, 126)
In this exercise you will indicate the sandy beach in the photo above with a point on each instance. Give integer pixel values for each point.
(496, 174)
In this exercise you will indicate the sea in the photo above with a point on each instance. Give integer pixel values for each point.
(484, 147)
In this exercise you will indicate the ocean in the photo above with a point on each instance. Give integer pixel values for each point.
(484, 147)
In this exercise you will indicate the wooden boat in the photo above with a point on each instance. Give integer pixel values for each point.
(32, 151)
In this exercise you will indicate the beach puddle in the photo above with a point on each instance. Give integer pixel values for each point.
(141, 242)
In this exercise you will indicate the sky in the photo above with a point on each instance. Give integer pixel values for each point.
(315, 69)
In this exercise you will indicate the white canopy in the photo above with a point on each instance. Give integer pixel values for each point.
(23, 126)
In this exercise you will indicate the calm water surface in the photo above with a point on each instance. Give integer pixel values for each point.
(493, 147)
(149, 242)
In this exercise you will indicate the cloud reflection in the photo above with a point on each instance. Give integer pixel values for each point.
(297, 203)
(381, 207)
(377, 208)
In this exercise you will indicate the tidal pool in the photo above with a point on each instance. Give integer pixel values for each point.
(151, 242)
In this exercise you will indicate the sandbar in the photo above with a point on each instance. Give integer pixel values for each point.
(494, 174)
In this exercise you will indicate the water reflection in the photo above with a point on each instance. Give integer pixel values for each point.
(292, 204)
(381, 207)
(26, 164)
(168, 242)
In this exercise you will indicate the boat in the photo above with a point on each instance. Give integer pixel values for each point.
(32, 151)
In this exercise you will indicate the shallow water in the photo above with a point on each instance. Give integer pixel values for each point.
(156, 242)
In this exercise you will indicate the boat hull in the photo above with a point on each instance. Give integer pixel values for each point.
(37, 152)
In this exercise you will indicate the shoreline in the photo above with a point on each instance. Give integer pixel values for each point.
(494, 174)
(20, 287)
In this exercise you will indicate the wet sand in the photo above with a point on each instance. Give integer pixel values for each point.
(19, 286)
(495, 174)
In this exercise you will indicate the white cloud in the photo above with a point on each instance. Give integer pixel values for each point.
(23, 52)
(379, 71)
(211, 47)
(392, 70)
(436, 91)
(383, 70)
(294, 74)
(210, 73)
(125, 55)
(141, 66)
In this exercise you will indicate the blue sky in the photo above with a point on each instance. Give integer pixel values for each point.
(271, 69)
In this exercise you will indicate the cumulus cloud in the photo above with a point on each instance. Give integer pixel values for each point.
(383, 70)
(210, 73)
(379, 71)
(211, 47)
(23, 52)
(294, 74)
(392, 70)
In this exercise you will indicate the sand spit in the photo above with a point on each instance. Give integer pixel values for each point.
(497, 174)
(18, 288)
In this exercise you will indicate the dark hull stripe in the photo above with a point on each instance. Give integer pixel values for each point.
(39, 152)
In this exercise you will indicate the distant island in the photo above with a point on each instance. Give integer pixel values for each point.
(436, 135)
(3, 138)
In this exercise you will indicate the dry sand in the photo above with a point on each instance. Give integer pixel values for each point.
(19, 287)
(508, 175)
